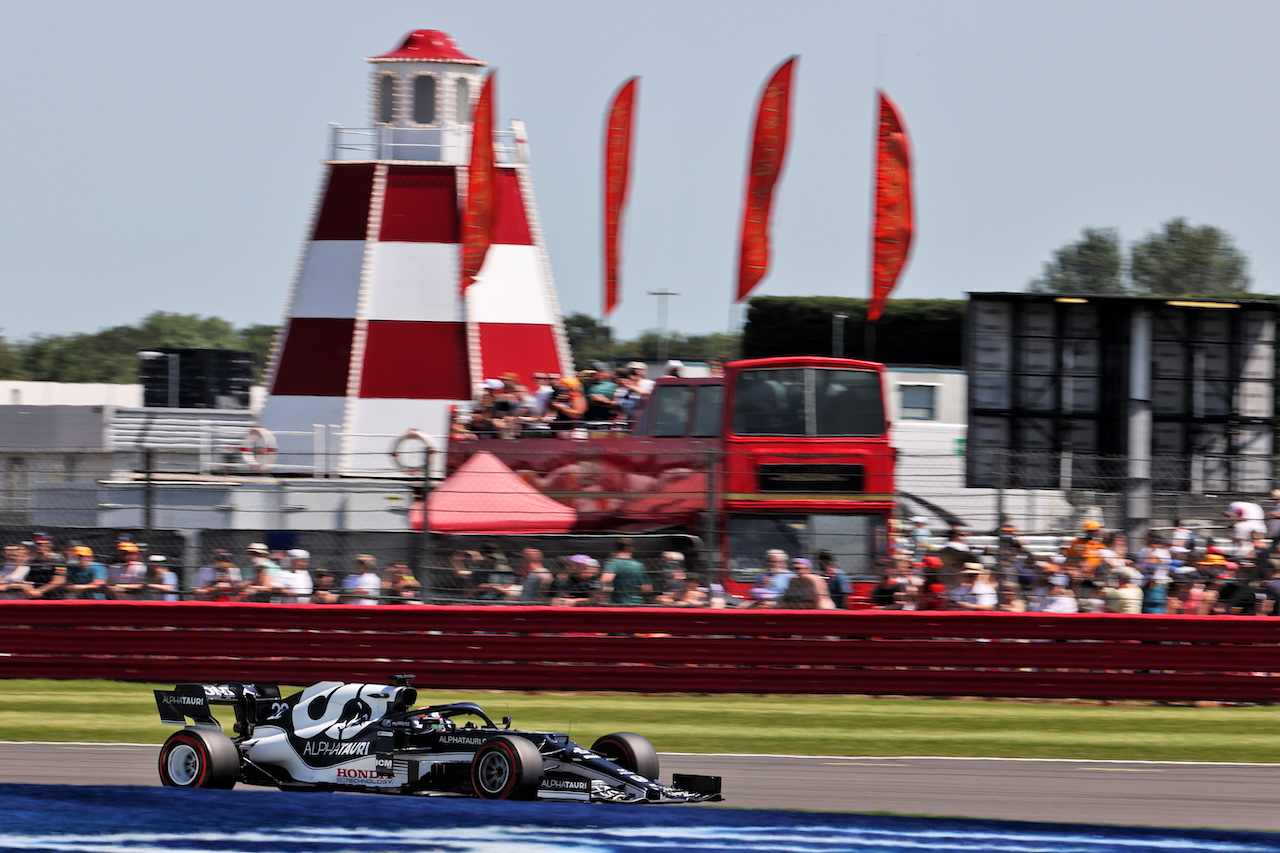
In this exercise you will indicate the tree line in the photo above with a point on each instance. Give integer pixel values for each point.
(593, 341)
(1179, 259)
(111, 355)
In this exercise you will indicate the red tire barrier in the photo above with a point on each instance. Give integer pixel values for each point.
(651, 650)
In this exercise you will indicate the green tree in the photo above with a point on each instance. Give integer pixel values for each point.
(589, 339)
(10, 366)
(681, 346)
(1184, 260)
(1090, 265)
(111, 355)
(258, 340)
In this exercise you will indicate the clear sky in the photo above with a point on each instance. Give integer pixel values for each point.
(165, 155)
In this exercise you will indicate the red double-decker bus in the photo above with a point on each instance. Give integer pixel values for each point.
(790, 453)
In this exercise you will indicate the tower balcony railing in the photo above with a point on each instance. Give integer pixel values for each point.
(415, 144)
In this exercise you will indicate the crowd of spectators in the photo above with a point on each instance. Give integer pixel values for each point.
(37, 569)
(598, 398)
(1181, 570)
(1178, 570)
(578, 580)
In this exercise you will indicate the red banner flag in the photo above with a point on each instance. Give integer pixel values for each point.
(477, 215)
(617, 171)
(891, 232)
(768, 152)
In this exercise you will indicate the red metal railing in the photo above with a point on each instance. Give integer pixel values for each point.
(651, 650)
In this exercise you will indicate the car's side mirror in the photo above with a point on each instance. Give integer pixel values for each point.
(506, 722)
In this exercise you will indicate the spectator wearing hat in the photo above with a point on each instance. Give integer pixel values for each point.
(86, 578)
(974, 590)
(566, 405)
(1059, 598)
(1124, 596)
(128, 578)
(1087, 546)
(220, 580)
(578, 584)
(807, 590)
(364, 585)
(161, 580)
(294, 582)
(1247, 519)
(673, 368)
(640, 371)
(128, 562)
(261, 576)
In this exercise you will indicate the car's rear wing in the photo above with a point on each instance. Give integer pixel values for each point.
(194, 701)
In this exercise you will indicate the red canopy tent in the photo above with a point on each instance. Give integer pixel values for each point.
(485, 496)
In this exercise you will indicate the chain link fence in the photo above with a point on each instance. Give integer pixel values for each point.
(185, 517)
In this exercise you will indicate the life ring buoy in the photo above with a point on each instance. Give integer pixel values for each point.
(399, 454)
(258, 450)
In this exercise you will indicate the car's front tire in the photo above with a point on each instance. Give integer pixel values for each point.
(198, 758)
(629, 751)
(506, 768)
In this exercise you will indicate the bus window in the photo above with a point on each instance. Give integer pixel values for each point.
(671, 410)
(770, 402)
(848, 402)
(706, 418)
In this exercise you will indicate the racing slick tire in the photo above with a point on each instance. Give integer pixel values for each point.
(630, 751)
(196, 758)
(506, 768)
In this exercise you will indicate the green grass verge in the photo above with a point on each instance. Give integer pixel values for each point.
(119, 712)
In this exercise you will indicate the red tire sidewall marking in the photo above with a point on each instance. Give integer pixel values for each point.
(514, 762)
(198, 745)
(619, 747)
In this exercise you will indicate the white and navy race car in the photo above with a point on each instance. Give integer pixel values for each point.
(336, 736)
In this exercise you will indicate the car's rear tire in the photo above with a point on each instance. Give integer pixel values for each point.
(506, 768)
(199, 758)
(630, 751)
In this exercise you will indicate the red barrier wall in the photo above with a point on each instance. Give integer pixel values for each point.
(651, 650)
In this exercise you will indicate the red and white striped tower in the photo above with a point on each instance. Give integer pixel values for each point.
(377, 340)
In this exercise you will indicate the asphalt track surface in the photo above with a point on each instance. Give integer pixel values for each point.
(1166, 794)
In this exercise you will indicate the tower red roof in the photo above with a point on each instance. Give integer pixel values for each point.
(427, 46)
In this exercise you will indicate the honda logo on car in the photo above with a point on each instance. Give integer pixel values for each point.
(366, 777)
(320, 747)
(355, 773)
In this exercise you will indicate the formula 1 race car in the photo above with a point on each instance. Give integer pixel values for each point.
(335, 736)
